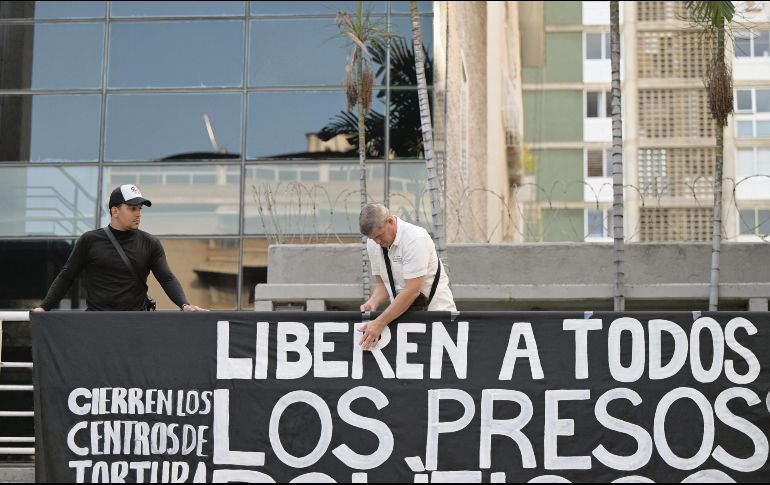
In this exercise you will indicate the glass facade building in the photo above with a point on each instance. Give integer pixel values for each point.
(229, 116)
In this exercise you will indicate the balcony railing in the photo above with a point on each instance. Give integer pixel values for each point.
(14, 445)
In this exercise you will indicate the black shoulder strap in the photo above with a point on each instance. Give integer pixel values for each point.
(123, 255)
(390, 272)
(393, 286)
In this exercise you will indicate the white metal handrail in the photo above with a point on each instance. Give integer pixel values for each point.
(6, 316)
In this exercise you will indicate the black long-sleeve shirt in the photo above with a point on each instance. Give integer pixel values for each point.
(110, 285)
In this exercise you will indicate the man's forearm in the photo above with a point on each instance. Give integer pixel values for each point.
(400, 304)
(379, 295)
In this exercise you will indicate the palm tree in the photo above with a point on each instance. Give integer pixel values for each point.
(617, 159)
(363, 33)
(439, 230)
(406, 135)
(714, 20)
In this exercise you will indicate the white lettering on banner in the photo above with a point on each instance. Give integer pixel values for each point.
(222, 453)
(134, 472)
(661, 442)
(759, 458)
(656, 328)
(581, 329)
(380, 429)
(635, 370)
(358, 354)
(751, 359)
(717, 339)
(519, 330)
(320, 406)
(137, 438)
(555, 427)
(511, 428)
(138, 401)
(228, 367)
(436, 427)
(284, 369)
(458, 353)
(261, 360)
(405, 370)
(324, 368)
(642, 437)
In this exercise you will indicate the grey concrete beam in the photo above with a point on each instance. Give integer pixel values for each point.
(758, 304)
(17, 474)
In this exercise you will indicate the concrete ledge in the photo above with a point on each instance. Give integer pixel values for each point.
(17, 473)
(283, 292)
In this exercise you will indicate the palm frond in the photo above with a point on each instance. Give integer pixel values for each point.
(710, 13)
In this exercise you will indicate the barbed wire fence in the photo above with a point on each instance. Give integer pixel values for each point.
(530, 212)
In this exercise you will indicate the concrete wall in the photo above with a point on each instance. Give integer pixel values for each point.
(555, 276)
(555, 263)
(17, 473)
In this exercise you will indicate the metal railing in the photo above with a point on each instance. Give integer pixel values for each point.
(12, 317)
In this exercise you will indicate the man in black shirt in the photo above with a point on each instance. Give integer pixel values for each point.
(110, 284)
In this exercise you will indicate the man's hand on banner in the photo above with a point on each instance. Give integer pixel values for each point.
(371, 331)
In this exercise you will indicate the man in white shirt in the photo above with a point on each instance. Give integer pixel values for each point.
(417, 273)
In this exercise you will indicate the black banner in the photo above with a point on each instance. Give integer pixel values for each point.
(484, 397)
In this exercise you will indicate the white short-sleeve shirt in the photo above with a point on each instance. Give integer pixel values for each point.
(412, 255)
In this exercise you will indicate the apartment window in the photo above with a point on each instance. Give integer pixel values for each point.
(598, 163)
(752, 108)
(598, 104)
(755, 221)
(753, 161)
(752, 44)
(598, 224)
(598, 46)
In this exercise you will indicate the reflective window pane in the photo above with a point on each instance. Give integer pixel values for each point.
(594, 46)
(763, 128)
(402, 55)
(175, 9)
(763, 100)
(40, 128)
(744, 129)
(282, 200)
(745, 163)
(747, 221)
(742, 45)
(309, 125)
(762, 44)
(314, 8)
(409, 196)
(32, 267)
(51, 10)
(405, 127)
(311, 53)
(176, 54)
(595, 223)
(207, 269)
(763, 221)
(763, 161)
(404, 7)
(51, 56)
(743, 100)
(593, 103)
(51, 201)
(159, 126)
(186, 199)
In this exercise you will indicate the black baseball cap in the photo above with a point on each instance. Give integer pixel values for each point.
(127, 194)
